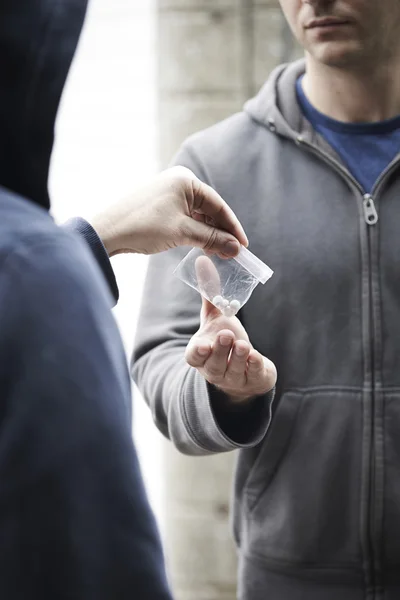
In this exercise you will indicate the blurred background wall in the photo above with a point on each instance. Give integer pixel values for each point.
(147, 74)
(212, 56)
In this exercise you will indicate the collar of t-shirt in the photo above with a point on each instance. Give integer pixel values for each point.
(365, 148)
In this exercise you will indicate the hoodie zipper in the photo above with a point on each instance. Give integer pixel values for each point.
(370, 213)
(371, 217)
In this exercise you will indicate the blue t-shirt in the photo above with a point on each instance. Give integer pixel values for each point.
(365, 148)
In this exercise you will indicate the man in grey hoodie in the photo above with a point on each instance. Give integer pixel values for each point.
(311, 168)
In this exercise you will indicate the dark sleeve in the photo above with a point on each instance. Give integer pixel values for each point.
(89, 235)
(75, 522)
(238, 420)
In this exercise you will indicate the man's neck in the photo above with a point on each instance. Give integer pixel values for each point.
(353, 96)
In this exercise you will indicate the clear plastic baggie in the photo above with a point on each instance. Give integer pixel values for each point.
(226, 283)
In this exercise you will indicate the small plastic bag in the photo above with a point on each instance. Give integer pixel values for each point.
(226, 283)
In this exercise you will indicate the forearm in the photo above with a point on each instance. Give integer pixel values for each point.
(195, 416)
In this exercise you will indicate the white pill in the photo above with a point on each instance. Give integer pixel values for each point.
(235, 305)
(225, 302)
(228, 311)
(218, 301)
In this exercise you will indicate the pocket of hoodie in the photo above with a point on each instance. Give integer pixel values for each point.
(303, 493)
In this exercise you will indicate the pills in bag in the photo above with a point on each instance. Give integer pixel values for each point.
(226, 283)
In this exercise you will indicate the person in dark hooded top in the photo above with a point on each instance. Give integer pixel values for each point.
(74, 519)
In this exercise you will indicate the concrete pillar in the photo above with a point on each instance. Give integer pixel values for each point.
(200, 554)
(212, 56)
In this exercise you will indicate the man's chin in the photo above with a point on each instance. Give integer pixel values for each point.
(339, 55)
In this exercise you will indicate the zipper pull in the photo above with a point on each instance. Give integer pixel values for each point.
(370, 214)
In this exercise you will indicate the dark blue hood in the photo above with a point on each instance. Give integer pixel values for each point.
(38, 39)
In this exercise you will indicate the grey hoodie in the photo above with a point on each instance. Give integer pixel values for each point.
(317, 492)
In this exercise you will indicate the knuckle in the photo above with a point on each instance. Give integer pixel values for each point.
(182, 171)
(191, 361)
(181, 174)
(190, 357)
(255, 365)
(211, 240)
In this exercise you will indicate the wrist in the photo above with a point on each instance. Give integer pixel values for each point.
(106, 233)
(240, 421)
(236, 401)
(239, 400)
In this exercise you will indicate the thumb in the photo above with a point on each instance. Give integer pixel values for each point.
(210, 238)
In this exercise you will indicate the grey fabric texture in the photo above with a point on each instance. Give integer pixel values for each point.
(317, 488)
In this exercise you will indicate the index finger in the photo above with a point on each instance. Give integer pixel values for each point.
(208, 202)
(208, 278)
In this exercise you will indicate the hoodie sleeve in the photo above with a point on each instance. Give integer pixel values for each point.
(74, 519)
(97, 248)
(189, 411)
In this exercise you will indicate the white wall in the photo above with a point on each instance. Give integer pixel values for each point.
(105, 147)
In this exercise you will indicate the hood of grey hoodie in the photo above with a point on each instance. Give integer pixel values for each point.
(276, 107)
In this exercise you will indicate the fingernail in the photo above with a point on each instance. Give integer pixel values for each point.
(231, 248)
(203, 350)
(224, 340)
(240, 351)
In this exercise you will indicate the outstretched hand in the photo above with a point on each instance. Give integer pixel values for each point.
(222, 353)
(175, 209)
